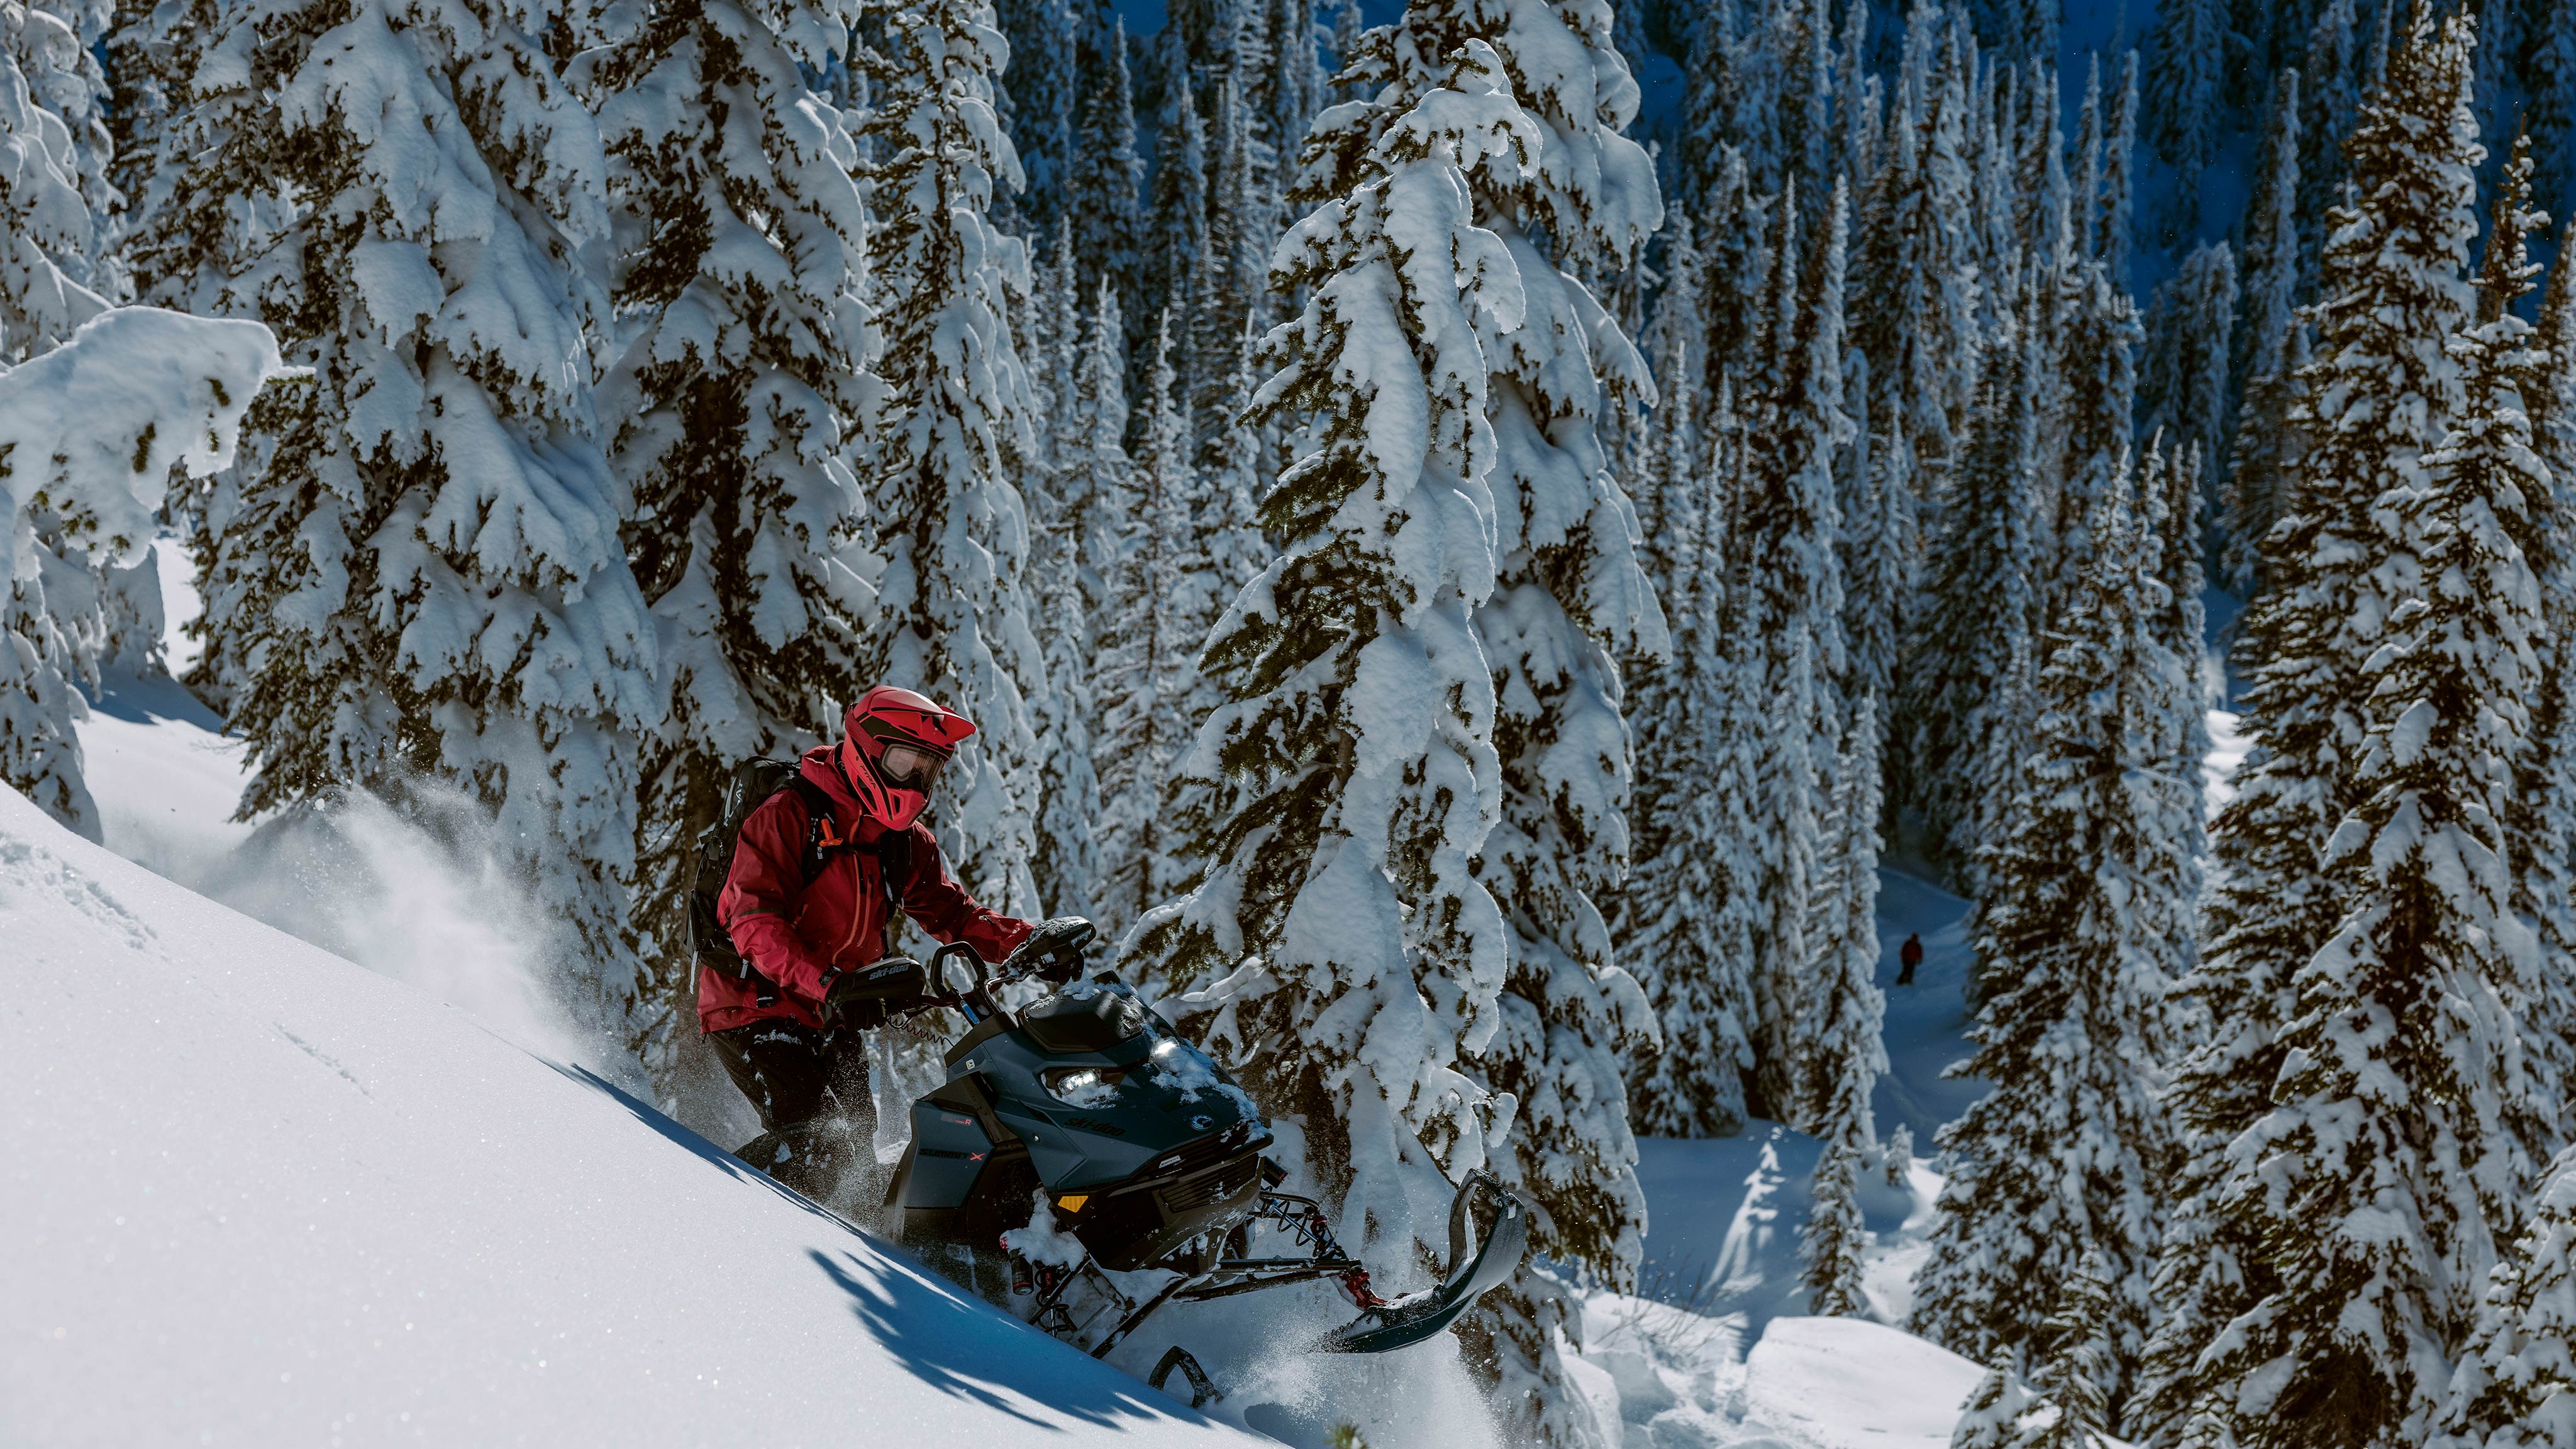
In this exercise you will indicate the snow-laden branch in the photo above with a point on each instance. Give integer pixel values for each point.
(92, 428)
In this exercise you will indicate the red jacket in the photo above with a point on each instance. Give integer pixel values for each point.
(792, 932)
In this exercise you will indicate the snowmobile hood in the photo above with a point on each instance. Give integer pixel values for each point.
(1101, 1116)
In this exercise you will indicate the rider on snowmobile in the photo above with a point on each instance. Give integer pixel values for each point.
(817, 939)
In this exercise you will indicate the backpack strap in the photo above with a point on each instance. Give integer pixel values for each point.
(894, 864)
(822, 827)
(822, 837)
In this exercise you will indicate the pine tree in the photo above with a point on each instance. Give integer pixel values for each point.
(1287, 90)
(422, 578)
(1694, 899)
(2183, 384)
(736, 397)
(2550, 75)
(1104, 181)
(2257, 449)
(1710, 103)
(1992, 1417)
(121, 402)
(1081, 534)
(1350, 773)
(1042, 87)
(950, 524)
(1570, 600)
(1914, 321)
(2545, 853)
(2062, 1159)
(2517, 358)
(2330, 97)
(1147, 648)
(2516, 1386)
(2076, 1372)
(1179, 235)
(2183, 100)
(1668, 465)
(2400, 1088)
(1979, 608)
(1792, 523)
(1844, 1009)
(51, 624)
(1347, 27)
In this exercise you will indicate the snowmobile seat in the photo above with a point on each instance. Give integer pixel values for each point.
(1068, 1025)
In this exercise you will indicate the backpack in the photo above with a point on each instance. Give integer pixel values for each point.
(754, 783)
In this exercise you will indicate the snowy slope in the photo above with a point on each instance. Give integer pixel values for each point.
(255, 1195)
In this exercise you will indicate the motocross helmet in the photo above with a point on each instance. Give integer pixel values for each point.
(894, 744)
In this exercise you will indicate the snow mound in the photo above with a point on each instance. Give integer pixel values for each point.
(1673, 1379)
(257, 1195)
(1841, 1383)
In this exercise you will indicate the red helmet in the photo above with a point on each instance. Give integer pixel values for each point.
(894, 743)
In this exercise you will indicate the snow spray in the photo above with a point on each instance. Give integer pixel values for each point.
(423, 895)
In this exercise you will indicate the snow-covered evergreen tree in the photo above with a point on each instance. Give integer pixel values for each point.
(949, 522)
(2184, 98)
(52, 624)
(2330, 97)
(1104, 181)
(90, 431)
(2510, 360)
(1350, 776)
(1845, 1007)
(1692, 903)
(1570, 600)
(423, 575)
(1178, 236)
(1992, 1418)
(1079, 527)
(1044, 89)
(2062, 1160)
(2190, 328)
(2549, 73)
(1792, 523)
(2395, 655)
(2544, 853)
(2259, 450)
(1148, 650)
(739, 268)
(2516, 1386)
(1979, 609)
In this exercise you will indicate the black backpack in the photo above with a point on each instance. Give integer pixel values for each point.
(754, 782)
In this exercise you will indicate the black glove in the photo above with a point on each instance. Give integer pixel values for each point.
(1053, 952)
(868, 997)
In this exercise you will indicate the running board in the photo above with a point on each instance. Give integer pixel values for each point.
(1417, 1316)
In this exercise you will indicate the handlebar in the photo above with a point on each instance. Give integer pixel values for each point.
(977, 999)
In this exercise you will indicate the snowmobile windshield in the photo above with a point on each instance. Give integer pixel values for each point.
(910, 767)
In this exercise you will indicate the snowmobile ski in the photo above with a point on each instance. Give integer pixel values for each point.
(1409, 1320)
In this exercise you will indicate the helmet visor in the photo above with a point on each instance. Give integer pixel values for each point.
(910, 767)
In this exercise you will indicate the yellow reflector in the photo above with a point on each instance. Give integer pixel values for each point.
(1073, 1202)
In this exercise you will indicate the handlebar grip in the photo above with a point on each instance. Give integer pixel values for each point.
(980, 992)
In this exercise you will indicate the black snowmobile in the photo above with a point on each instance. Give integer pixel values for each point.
(1149, 1157)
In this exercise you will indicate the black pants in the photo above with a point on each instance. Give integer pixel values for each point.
(800, 1080)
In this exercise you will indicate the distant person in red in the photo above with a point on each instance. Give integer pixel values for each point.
(1909, 956)
(790, 1037)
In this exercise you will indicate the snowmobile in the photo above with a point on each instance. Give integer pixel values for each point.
(1147, 1157)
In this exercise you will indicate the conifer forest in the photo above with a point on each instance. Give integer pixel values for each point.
(1477, 535)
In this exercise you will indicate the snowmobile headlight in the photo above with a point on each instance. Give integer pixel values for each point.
(1083, 1086)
